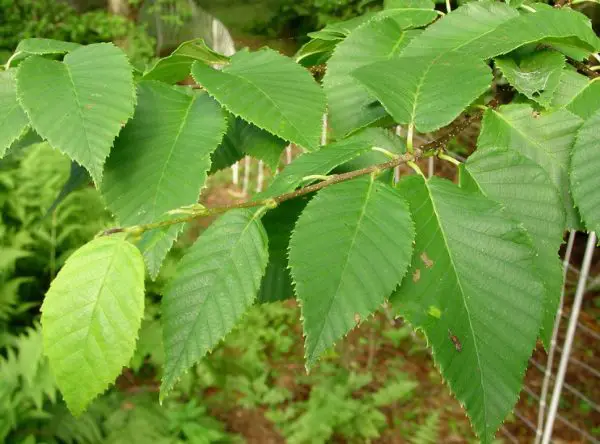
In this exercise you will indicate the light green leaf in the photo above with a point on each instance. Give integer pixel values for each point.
(545, 138)
(13, 120)
(327, 158)
(350, 104)
(256, 86)
(587, 101)
(177, 65)
(216, 281)
(91, 316)
(529, 197)
(253, 141)
(160, 160)
(79, 105)
(409, 87)
(276, 284)
(349, 250)
(534, 74)
(476, 266)
(584, 176)
(449, 50)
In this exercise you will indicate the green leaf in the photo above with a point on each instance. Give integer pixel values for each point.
(350, 105)
(13, 120)
(570, 84)
(529, 197)
(255, 142)
(45, 46)
(409, 87)
(315, 52)
(349, 250)
(545, 138)
(584, 172)
(533, 74)
(340, 30)
(276, 284)
(325, 159)
(160, 160)
(177, 65)
(79, 105)
(472, 290)
(256, 86)
(587, 101)
(216, 281)
(91, 316)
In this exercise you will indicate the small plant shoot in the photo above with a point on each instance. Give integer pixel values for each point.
(472, 263)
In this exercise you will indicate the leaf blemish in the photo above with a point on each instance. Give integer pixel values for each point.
(357, 318)
(428, 262)
(416, 275)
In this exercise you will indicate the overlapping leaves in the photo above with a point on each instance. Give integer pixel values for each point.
(270, 91)
(410, 86)
(161, 159)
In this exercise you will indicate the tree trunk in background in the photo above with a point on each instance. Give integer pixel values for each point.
(119, 7)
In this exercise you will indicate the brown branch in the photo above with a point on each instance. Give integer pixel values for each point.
(426, 150)
(583, 68)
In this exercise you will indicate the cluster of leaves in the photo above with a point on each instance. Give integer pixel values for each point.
(474, 265)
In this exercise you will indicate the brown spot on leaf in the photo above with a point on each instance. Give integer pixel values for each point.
(417, 275)
(357, 318)
(428, 262)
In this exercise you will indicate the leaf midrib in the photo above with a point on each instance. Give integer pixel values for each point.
(176, 364)
(170, 155)
(462, 292)
(346, 259)
(80, 111)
